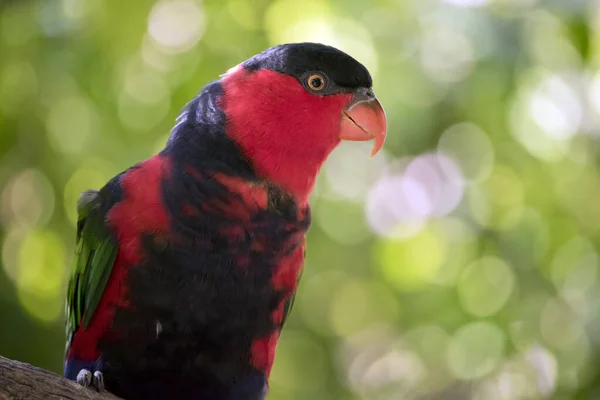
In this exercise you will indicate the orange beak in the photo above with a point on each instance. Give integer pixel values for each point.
(364, 119)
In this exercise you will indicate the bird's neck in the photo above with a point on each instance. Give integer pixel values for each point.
(212, 133)
(198, 141)
(293, 169)
(286, 133)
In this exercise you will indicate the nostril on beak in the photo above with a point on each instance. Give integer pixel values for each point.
(364, 94)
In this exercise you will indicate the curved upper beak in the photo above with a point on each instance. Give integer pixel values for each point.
(364, 119)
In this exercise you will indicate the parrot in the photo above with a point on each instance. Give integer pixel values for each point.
(186, 264)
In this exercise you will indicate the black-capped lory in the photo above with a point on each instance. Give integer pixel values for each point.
(186, 264)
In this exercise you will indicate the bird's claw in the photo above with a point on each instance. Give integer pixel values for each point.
(84, 378)
(98, 381)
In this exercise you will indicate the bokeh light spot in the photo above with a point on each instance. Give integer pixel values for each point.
(426, 186)
(10, 251)
(378, 363)
(430, 341)
(545, 366)
(176, 25)
(146, 87)
(77, 11)
(485, 286)
(580, 284)
(559, 324)
(393, 371)
(145, 100)
(433, 185)
(556, 109)
(499, 203)
(314, 299)
(388, 211)
(461, 249)
(544, 28)
(446, 54)
(358, 304)
(245, 13)
(412, 263)
(349, 173)
(570, 256)
(529, 239)
(28, 199)
(70, 124)
(470, 147)
(475, 350)
(545, 113)
(42, 267)
(18, 82)
(342, 221)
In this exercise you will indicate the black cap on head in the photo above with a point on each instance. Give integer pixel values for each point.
(300, 59)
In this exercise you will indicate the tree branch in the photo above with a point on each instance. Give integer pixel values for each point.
(20, 381)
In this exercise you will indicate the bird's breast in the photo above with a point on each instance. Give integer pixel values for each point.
(208, 298)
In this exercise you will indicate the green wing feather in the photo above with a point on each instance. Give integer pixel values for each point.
(95, 253)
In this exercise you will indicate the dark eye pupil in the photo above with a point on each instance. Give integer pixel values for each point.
(316, 83)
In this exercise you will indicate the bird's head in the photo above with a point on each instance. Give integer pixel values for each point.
(291, 105)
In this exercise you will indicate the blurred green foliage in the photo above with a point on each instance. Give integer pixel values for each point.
(460, 263)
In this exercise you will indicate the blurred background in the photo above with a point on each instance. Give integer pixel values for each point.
(460, 263)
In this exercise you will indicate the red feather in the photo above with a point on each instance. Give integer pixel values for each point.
(290, 160)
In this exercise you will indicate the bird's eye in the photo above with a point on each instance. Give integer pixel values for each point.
(316, 82)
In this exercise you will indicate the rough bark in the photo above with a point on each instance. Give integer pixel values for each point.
(23, 381)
